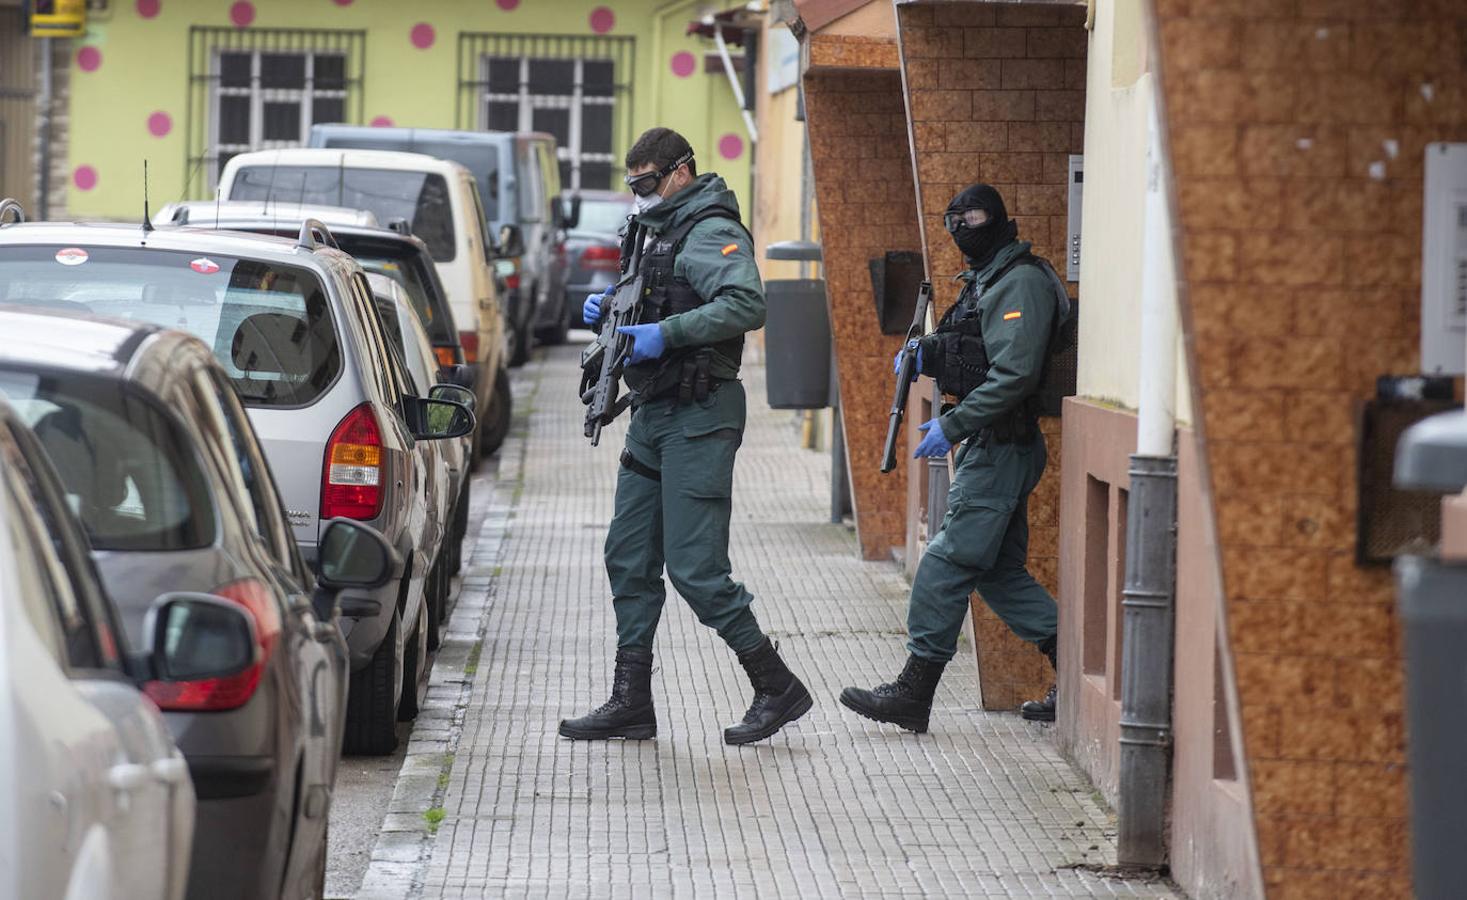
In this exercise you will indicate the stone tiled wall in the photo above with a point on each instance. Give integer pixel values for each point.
(866, 205)
(1297, 130)
(996, 93)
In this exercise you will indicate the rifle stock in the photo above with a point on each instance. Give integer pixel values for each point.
(906, 371)
(603, 360)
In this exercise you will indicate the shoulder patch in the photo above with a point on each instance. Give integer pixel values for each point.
(729, 249)
(1012, 315)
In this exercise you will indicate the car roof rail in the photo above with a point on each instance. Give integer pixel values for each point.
(315, 235)
(13, 207)
(401, 226)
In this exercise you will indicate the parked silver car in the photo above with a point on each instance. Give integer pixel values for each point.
(296, 330)
(95, 799)
(157, 456)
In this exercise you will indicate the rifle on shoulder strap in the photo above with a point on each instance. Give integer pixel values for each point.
(604, 358)
(906, 371)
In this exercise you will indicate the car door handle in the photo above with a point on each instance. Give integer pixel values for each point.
(128, 777)
(170, 771)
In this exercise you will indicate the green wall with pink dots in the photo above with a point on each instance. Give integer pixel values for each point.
(130, 95)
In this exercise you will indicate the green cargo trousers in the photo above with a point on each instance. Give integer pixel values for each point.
(673, 504)
(983, 546)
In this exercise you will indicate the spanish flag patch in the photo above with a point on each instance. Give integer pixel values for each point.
(729, 249)
(1012, 315)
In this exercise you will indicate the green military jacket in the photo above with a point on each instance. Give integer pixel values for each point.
(718, 261)
(1017, 316)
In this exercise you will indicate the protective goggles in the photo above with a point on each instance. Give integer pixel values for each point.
(967, 218)
(647, 182)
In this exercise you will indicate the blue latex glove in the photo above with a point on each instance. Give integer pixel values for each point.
(591, 311)
(646, 342)
(934, 442)
(896, 362)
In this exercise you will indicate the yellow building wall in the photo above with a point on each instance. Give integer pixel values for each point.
(130, 79)
(779, 164)
(1117, 96)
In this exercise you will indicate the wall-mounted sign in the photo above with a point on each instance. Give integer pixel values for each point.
(783, 60)
(57, 18)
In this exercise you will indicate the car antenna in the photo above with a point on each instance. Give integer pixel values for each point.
(147, 219)
(218, 192)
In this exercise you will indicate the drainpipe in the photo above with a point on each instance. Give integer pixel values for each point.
(48, 63)
(1151, 514)
(733, 78)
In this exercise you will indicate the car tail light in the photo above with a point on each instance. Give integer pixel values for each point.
(230, 691)
(512, 281)
(446, 356)
(351, 483)
(601, 258)
(469, 341)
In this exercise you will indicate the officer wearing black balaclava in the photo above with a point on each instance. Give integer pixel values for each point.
(989, 353)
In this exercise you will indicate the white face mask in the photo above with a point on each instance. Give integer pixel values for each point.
(642, 204)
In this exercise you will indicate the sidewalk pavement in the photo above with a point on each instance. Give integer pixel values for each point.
(833, 806)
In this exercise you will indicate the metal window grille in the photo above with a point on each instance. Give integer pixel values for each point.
(576, 88)
(262, 89)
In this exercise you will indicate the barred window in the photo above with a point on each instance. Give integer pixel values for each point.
(575, 88)
(263, 89)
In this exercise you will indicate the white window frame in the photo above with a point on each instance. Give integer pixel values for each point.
(305, 96)
(528, 102)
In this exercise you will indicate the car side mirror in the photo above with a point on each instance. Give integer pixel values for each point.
(568, 212)
(453, 393)
(511, 241)
(434, 420)
(353, 555)
(457, 374)
(196, 637)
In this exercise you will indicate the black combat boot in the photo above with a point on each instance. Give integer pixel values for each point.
(1043, 710)
(629, 713)
(906, 702)
(779, 697)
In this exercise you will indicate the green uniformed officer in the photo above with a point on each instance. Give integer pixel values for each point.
(990, 351)
(674, 490)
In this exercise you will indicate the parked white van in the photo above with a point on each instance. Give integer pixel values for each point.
(438, 200)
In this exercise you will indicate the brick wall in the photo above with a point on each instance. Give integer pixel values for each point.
(996, 93)
(1297, 129)
(865, 201)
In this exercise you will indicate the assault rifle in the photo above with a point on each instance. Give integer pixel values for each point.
(604, 358)
(906, 371)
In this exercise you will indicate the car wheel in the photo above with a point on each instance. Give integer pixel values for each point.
(501, 411)
(523, 339)
(371, 721)
(555, 335)
(460, 531)
(415, 664)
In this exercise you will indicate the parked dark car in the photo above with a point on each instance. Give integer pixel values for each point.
(156, 454)
(593, 247)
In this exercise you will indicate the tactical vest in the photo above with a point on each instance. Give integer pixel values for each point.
(683, 372)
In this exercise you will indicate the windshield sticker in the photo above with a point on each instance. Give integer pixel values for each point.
(204, 266)
(71, 256)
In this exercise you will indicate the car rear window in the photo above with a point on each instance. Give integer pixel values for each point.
(390, 194)
(128, 471)
(269, 325)
(603, 216)
(408, 267)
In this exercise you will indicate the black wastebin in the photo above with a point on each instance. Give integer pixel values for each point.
(796, 334)
(1432, 456)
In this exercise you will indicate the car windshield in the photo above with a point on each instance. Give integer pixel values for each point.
(604, 216)
(390, 194)
(128, 471)
(268, 325)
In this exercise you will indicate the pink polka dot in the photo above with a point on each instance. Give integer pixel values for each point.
(149, 8)
(683, 63)
(730, 146)
(508, 5)
(159, 124)
(423, 35)
(85, 178)
(382, 122)
(242, 14)
(88, 59)
(343, 2)
(602, 19)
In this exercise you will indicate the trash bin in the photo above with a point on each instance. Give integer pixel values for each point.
(796, 334)
(1432, 456)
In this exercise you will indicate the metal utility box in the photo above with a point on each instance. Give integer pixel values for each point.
(796, 334)
(1444, 261)
(895, 277)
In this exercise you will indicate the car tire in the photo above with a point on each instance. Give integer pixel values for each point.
(460, 531)
(523, 340)
(371, 720)
(415, 663)
(555, 335)
(501, 411)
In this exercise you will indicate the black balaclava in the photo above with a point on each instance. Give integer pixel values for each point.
(980, 244)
